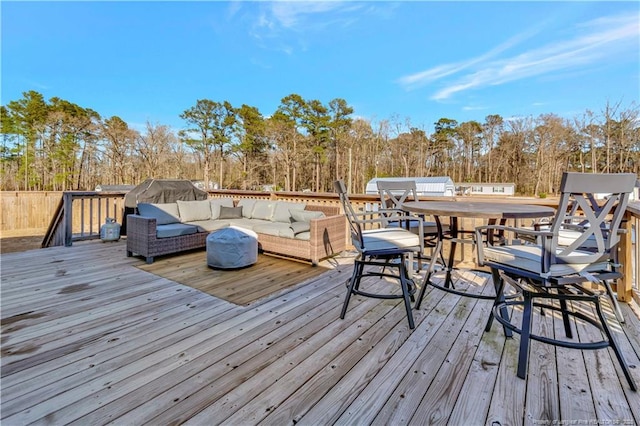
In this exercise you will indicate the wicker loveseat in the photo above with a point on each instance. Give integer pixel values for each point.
(295, 230)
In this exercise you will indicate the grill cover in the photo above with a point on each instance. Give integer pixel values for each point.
(163, 191)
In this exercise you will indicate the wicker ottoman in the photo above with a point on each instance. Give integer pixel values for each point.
(232, 247)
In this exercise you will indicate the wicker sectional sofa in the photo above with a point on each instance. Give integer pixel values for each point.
(291, 229)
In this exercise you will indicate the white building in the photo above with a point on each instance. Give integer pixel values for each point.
(425, 186)
(502, 189)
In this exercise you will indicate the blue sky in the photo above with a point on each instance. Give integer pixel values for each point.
(422, 61)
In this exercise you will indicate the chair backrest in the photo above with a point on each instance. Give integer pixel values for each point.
(599, 219)
(352, 217)
(394, 193)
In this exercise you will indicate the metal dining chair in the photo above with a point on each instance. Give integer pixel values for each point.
(554, 272)
(381, 251)
(395, 193)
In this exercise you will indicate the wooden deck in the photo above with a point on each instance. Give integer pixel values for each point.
(89, 338)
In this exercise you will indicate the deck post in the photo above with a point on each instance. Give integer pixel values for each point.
(625, 283)
(67, 198)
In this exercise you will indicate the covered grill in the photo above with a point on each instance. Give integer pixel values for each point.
(160, 191)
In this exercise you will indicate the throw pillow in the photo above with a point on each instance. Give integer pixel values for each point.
(230, 212)
(281, 212)
(299, 227)
(215, 206)
(164, 213)
(305, 215)
(191, 211)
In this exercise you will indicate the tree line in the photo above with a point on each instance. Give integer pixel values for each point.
(304, 145)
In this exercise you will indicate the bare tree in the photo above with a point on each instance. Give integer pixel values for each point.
(119, 142)
(153, 148)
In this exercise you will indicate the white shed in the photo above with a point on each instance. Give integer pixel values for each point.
(426, 186)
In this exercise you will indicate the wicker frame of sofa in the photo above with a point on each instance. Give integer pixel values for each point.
(328, 237)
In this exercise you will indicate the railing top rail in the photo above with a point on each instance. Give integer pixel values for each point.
(633, 208)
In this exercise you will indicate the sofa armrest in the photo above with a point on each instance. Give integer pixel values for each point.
(327, 236)
(141, 232)
(142, 225)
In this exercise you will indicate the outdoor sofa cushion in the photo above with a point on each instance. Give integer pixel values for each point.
(194, 210)
(278, 218)
(164, 213)
(247, 205)
(263, 209)
(243, 222)
(273, 228)
(304, 236)
(305, 215)
(209, 225)
(283, 209)
(174, 230)
(299, 227)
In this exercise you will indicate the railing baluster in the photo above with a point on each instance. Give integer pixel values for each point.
(99, 200)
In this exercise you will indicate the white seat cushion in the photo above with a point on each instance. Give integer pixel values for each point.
(528, 257)
(388, 239)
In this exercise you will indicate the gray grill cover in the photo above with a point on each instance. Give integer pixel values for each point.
(163, 191)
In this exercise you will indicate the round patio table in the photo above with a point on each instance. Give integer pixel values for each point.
(494, 212)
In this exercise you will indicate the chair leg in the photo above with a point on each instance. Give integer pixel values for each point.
(614, 301)
(523, 357)
(425, 282)
(406, 283)
(498, 284)
(614, 345)
(406, 293)
(357, 276)
(427, 276)
(358, 267)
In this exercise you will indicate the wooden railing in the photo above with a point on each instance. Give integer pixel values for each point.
(630, 255)
(80, 214)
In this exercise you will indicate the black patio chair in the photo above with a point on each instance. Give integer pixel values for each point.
(566, 270)
(380, 252)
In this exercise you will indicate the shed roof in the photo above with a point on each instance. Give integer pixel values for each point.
(429, 179)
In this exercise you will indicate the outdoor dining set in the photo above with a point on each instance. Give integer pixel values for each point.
(543, 262)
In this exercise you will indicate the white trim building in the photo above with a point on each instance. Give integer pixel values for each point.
(426, 186)
(477, 188)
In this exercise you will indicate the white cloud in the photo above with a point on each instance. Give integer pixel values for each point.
(294, 23)
(599, 40)
(294, 14)
(441, 71)
(474, 108)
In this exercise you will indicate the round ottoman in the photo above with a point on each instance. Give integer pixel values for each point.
(232, 247)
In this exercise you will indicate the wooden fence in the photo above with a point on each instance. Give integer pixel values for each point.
(36, 212)
(27, 210)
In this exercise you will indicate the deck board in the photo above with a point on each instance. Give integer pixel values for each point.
(90, 336)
